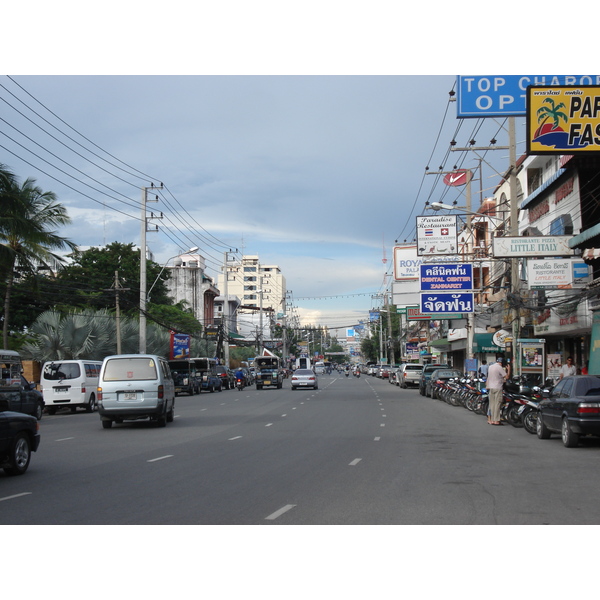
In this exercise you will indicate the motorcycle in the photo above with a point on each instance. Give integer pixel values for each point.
(239, 384)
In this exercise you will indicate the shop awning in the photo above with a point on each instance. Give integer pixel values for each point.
(584, 236)
(482, 342)
(439, 343)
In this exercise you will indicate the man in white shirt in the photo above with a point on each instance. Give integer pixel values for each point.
(568, 369)
(495, 382)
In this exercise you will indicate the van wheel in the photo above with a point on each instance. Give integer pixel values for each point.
(52, 410)
(162, 420)
(91, 405)
(106, 423)
(20, 455)
(171, 413)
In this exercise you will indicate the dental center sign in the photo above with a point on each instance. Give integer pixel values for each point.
(505, 95)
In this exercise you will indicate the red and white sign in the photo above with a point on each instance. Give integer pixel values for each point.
(458, 177)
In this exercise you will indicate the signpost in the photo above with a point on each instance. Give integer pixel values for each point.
(436, 235)
(447, 277)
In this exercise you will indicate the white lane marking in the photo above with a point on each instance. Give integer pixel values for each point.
(64, 439)
(355, 462)
(376, 439)
(15, 496)
(237, 437)
(279, 512)
(203, 409)
(268, 424)
(160, 458)
(383, 424)
(284, 415)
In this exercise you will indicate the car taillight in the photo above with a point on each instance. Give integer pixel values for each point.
(99, 394)
(588, 408)
(294, 378)
(83, 389)
(161, 391)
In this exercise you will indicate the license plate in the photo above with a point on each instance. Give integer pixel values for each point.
(521, 409)
(266, 382)
(61, 390)
(303, 383)
(129, 396)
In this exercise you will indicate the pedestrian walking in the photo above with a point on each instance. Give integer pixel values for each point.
(568, 369)
(495, 382)
(483, 369)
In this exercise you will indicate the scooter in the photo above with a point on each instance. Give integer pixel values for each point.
(240, 384)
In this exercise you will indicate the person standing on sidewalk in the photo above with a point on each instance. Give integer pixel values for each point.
(495, 382)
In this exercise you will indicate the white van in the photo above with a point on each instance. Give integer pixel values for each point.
(135, 386)
(70, 383)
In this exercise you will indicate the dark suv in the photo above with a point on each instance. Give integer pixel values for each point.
(226, 377)
(19, 437)
(426, 376)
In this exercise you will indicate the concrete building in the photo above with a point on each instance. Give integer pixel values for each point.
(189, 282)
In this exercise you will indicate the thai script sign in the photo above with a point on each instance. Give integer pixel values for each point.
(505, 95)
(563, 119)
(414, 313)
(546, 245)
(447, 303)
(447, 277)
(436, 235)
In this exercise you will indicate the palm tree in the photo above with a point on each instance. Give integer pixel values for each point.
(551, 112)
(28, 217)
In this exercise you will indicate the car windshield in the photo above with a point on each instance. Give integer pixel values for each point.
(124, 369)
(57, 371)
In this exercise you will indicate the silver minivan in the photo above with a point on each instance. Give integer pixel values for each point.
(135, 386)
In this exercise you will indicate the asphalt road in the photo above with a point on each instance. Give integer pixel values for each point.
(355, 451)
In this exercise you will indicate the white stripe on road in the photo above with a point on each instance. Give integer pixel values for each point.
(237, 437)
(383, 424)
(15, 496)
(268, 424)
(355, 462)
(279, 512)
(160, 458)
(376, 439)
(65, 439)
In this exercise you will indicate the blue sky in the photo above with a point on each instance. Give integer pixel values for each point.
(316, 173)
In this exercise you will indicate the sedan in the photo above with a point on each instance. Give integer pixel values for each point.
(572, 408)
(438, 378)
(304, 378)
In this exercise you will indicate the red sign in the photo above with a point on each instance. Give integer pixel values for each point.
(458, 177)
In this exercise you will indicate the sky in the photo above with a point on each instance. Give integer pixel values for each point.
(316, 162)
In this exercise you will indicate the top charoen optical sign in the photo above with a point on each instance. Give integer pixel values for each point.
(505, 95)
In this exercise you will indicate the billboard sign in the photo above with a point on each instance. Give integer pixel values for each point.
(414, 313)
(447, 303)
(519, 247)
(406, 263)
(563, 119)
(505, 95)
(550, 274)
(446, 277)
(458, 177)
(436, 235)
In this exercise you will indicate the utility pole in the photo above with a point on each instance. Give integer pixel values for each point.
(117, 287)
(514, 231)
(143, 279)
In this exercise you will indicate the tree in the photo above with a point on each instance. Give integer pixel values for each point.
(28, 218)
(92, 273)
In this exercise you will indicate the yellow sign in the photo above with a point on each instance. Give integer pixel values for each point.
(563, 119)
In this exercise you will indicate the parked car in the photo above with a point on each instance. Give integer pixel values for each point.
(438, 378)
(426, 375)
(305, 378)
(409, 375)
(20, 395)
(372, 370)
(572, 409)
(19, 437)
(384, 372)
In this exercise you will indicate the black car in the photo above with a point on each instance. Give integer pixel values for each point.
(438, 378)
(426, 376)
(571, 408)
(19, 437)
(226, 376)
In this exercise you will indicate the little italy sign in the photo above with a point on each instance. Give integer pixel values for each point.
(541, 246)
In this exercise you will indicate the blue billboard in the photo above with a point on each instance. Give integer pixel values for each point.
(505, 95)
(447, 303)
(446, 277)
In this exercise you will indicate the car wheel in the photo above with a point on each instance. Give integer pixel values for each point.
(162, 420)
(20, 455)
(529, 421)
(52, 410)
(569, 437)
(39, 411)
(91, 405)
(542, 431)
(106, 423)
(171, 413)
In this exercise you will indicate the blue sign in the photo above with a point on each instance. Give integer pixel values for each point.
(446, 277)
(505, 95)
(447, 303)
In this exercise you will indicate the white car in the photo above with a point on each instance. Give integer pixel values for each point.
(304, 378)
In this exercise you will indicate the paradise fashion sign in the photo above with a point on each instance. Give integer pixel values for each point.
(447, 277)
(436, 235)
(447, 303)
